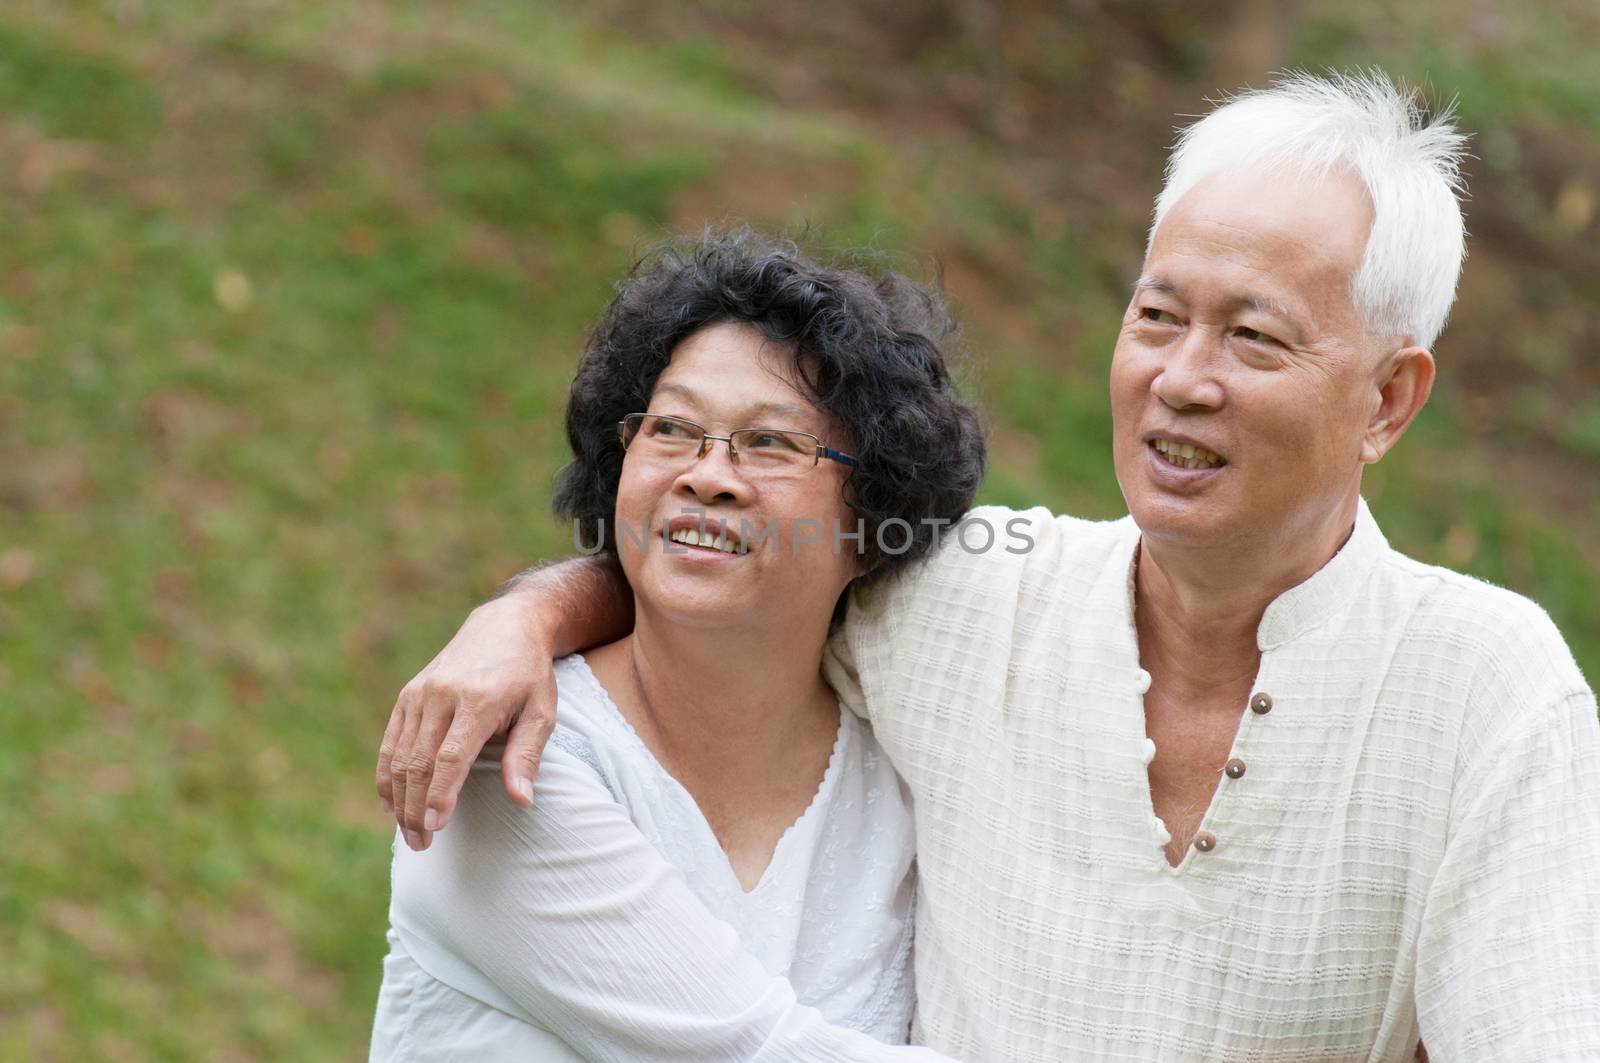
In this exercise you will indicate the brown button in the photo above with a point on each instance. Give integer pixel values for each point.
(1261, 704)
(1205, 841)
(1234, 768)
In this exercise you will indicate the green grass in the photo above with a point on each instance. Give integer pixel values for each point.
(72, 93)
(289, 296)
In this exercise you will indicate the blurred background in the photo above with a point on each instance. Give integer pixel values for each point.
(290, 294)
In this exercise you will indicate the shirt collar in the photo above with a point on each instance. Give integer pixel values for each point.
(1301, 607)
(1305, 605)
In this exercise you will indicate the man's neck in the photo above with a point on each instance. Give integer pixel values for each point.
(1198, 610)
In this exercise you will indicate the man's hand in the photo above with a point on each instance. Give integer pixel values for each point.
(494, 677)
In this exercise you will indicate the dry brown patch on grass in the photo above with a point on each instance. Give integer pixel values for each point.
(87, 926)
(763, 187)
(249, 938)
(56, 480)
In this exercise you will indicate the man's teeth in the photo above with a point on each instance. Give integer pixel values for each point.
(1187, 456)
(719, 541)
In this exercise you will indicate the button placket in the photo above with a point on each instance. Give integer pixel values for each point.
(1147, 754)
(1260, 705)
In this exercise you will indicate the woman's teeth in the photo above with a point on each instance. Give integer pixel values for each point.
(719, 541)
(1186, 456)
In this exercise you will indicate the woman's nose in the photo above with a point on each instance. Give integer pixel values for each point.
(714, 475)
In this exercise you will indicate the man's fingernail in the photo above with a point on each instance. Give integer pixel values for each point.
(412, 840)
(431, 820)
(388, 805)
(525, 787)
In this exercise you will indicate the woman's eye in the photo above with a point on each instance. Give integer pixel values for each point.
(667, 428)
(767, 440)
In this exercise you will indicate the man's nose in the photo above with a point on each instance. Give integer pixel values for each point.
(1188, 376)
(714, 476)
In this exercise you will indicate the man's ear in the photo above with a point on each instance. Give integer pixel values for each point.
(1404, 382)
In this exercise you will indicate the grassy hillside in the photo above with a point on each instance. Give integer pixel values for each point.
(289, 294)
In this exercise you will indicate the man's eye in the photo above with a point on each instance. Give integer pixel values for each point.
(1253, 335)
(1162, 317)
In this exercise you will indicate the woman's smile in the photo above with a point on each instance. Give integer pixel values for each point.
(701, 535)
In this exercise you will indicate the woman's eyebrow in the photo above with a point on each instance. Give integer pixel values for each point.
(782, 409)
(760, 409)
(687, 393)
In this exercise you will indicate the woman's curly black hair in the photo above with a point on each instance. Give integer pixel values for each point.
(868, 344)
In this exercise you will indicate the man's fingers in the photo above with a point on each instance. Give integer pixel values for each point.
(391, 738)
(399, 763)
(525, 743)
(465, 739)
(420, 760)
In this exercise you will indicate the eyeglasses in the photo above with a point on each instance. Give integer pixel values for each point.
(768, 451)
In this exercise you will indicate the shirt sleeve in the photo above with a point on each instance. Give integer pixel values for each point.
(949, 598)
(566, 916)
(1508, 963)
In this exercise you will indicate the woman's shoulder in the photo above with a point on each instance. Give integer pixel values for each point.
(589, 728)
(583, 705)
(867, 788)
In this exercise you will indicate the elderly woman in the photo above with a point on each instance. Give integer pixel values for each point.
(751, 433)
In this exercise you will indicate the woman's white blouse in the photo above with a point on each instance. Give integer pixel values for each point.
(605, 922)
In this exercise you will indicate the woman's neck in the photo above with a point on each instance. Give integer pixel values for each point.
(723, 706)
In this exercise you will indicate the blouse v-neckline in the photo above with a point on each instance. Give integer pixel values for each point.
(792, 836)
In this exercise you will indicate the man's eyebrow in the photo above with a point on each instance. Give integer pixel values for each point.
(1265, 305)
(1157, 284)
(1247, 301)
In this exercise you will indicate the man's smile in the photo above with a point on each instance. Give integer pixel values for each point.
(1187, 455)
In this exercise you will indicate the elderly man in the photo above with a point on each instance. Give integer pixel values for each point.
(1230, 777)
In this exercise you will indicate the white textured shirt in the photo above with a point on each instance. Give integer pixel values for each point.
(1412, 849)
(605, 922)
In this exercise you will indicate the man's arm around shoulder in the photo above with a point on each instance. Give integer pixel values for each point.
(495, 677)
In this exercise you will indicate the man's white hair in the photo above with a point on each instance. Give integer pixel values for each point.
(1410, 162)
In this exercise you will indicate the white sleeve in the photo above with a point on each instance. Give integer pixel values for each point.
(951, 593)
(1508, 961)
(582, 927)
